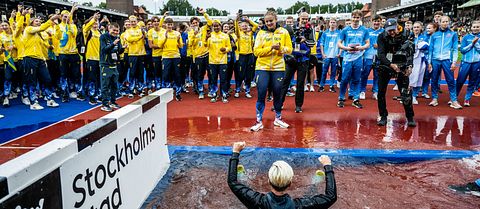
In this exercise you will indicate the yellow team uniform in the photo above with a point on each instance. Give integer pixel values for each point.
(135, 41)
(215, 43)
(245, 40)
(93, 44)
(7, 41)
(154, 36)
(34, 44)
(171, 44)
(267, 58)
(67, 34)
(123, 41)
(196, 42)
(313, 50)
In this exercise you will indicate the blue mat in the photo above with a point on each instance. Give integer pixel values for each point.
(20, 120)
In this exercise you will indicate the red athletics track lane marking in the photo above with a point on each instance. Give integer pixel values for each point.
(30, 141)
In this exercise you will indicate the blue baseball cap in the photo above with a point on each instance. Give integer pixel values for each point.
(391, 24)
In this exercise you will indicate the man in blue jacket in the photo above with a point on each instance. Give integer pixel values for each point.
(330, 53)
(370, 59)
(443, 54)
(110, 50)
(470, 66)
(354, 40)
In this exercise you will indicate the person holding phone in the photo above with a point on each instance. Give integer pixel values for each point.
(270, 46)
(354, 40)
(70, 76)
(200, 53)
(280, 177)
(246, 60)
(91, 36)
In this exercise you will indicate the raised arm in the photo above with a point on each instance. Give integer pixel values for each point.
(321, 200)
(43, 27)
(246, 195)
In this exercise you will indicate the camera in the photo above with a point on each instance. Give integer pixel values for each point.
(240, 12)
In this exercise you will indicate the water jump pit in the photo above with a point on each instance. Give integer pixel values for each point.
(198, 179)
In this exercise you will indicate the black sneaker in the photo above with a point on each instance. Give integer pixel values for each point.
(332, 89)
(92, 101)
(341, 103)
(80, 97)
(298, 109)
(357, 104)
(321, 89)
(178, 97)
(382, 121)
(65, 98)
(411, 122)
(465, 188)
(269, 98)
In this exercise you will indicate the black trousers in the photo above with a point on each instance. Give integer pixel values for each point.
(384, 76)
(301, 68)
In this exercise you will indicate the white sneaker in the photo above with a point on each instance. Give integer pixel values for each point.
(6, 102)
(338, 84)
(414, 101)
(257, 126)
(362, 95)
(73, 95)
(25, 101)
(375, 96)
(294, 88)
(236, 95)
(54, 95)
(312, 89)
(248, 95)
(52, 103)
(426, 96)
(280, 123)
(253, 84)
(36, 106)
(433, 103)
(395, 88)
(201, 96)
(456, 105)
(14, 95)
(306, 88)
(449, 102)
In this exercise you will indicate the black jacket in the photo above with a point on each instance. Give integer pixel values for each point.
(253, 199)
(387, 44)
(107, 48)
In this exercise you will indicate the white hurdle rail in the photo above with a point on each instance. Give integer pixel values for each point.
(113, 162)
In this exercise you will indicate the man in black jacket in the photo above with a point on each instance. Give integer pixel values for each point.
(110, 50)
(280, 177)
(395, 53)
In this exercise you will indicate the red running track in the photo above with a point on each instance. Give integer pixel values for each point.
(194, 122)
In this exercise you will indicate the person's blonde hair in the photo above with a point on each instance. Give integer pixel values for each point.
(280, 175)
(273, 13)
